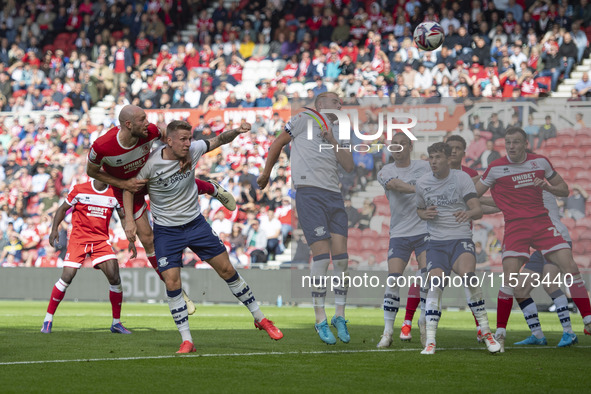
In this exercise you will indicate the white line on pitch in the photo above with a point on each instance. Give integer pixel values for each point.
(263, 354)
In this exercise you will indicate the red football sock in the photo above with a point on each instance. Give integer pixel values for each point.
(154, 264)
(414, 298)
(504, 305)
(204, 187)
(57, 295)
(578, 293)
(116, 298)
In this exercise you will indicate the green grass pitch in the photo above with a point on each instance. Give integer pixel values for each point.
(83, 356)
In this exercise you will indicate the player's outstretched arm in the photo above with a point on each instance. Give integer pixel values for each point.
(428, 213)
(130, 226)
(481, 188)
(228, 136)
(60, 215)
(133, 185)
(556, 185)
(488, 205)
(131, 248)
(274, 151)
(473, 213)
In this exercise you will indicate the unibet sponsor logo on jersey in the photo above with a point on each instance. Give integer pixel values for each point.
(134, 165)
(173, 179)
(524, 179)
(97, 212)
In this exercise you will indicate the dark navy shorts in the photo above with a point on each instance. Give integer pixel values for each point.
(402, 247)
(443, 254)
(536, 261)
(197, 235)
(321, 213)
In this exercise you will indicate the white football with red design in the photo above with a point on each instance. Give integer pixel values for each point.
(429, 36)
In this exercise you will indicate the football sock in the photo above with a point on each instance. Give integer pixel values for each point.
(116, 298)
(433, 312)
(318, 270)
(340, 264)
(57, 295)
(178, 308)
(413, 301)
(391, 303)
(423, 293)
(242, 291)
(154, 264)
(530, 312)
(561, 304)
(504, 305)
(206, 187)
(476, 303)
(579, 295)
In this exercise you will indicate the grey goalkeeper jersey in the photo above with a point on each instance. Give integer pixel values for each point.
(313, 162)
(449, 195)
(173, 195)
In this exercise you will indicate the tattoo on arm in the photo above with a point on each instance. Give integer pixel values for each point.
(223, 139)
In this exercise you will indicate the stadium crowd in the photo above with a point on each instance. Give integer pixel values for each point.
(63, 57)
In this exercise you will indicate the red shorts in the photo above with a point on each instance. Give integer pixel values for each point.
(99, 253)
(538, 232)
(139, 201)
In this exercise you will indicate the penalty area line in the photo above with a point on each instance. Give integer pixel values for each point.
(265, 354)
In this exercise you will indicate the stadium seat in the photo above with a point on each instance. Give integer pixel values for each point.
(280, 64)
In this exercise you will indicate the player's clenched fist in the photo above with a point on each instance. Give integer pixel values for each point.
(244, 127)
(134, 185)
(262, 181)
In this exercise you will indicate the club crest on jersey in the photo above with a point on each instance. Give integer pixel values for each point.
(162, 262)
(534, 164)
(146, 149)
(319, 231)
(112, 201)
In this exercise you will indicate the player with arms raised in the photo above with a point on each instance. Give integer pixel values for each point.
(116, 158)
(408, 234)
(517, 182)
(447, 200)
(179, 224)
(319, 203)
(93, 204)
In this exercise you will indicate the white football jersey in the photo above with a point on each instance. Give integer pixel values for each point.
(309, 165)
(449, 195)
(173, 195)
(554, 213)
(404, 220)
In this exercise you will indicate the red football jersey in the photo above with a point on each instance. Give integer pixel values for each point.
(120, 161)
(92, 213)
(470, 171)
(512, 185)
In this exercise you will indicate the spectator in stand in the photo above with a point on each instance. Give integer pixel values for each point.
(546, 131)
(583, 87)
(568, 54)
(476, 148)
(256, 242)
(487, 157)
(121, 65)
(495, 127)
(580, 39)
(531, 130)
(552, 66)
(366, 213)
(272, 228)
(574, 204)
(579, 123)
